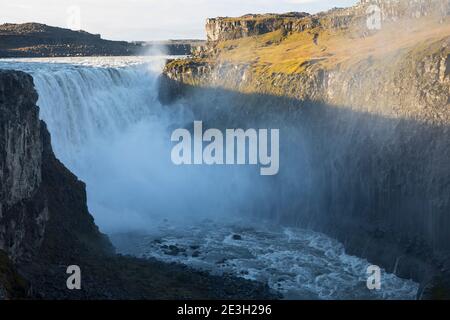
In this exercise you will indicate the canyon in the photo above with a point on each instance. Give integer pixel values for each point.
(364, 122)
(371, 108)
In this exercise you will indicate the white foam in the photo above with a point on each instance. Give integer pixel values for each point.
(299, 263)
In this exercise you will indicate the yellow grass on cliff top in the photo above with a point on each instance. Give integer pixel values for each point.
(293, 53)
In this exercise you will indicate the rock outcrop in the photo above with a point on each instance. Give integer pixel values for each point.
(12, 285)
(394, 10)
(41, 201)
(227, 28)
(21, 149)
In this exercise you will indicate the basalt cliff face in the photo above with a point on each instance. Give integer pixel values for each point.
(218, 29)
(20, 165)
(41, 201)
(368, 107)
(228, 28)
(40, 40)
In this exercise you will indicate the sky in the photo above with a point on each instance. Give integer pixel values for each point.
(147, 19)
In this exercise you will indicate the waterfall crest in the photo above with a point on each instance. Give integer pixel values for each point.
(109, 128)
(84, 104)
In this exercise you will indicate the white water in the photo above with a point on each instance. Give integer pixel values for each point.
(108, 127)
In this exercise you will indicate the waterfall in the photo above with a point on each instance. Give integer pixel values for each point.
(81, 105)
(108, 127)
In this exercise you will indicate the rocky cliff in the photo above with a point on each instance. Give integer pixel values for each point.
(228, 28)
(370, 111)
(41, 201)
(407, 61)
(21, 149)
(221, 28)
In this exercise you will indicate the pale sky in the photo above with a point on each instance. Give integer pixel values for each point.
(147, 19)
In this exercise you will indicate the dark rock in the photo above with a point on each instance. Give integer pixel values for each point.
(219, 29)
(230, 28)
(12, 285)
(221, 261)
(438, 288)
(174, 250)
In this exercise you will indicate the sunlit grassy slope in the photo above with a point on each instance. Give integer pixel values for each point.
(276, 52)
(406, 65)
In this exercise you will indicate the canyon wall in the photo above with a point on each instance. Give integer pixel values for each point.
(41, 202)
(229, 28)
(20, 166)
(374, 126)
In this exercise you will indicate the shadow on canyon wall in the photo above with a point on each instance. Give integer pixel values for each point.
(380, 185)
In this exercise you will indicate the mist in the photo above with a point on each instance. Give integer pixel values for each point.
(114, 134)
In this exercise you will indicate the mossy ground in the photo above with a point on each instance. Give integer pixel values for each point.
(279, 53)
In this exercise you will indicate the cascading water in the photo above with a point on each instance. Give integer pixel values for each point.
(79, 108)
(109, 128)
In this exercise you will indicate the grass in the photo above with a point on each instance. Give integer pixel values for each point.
(273, 60)
(261, 17)
(277, 52)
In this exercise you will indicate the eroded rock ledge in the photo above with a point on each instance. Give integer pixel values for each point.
(231, 28)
